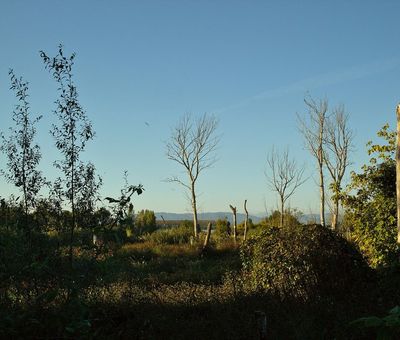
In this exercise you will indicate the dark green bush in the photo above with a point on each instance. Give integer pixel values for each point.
(307, 262)
(222, 229)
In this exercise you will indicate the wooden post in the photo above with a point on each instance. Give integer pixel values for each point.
(398, 172)
(261, 320)
(207, 239)
(234, 222)
(246, 221)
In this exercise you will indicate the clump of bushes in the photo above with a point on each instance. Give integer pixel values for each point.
(222, 229)
(174, 235)
(307, 262)
(145, 222)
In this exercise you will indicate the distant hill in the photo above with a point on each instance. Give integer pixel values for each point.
(212, 216)
(209, 216)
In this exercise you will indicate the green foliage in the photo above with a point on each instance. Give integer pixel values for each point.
(304, 262)
(222, 229)
(250, 226)
(370, 215)
(176, 235)
(11, 214)
(78, 184)
(74, 129)
(23, 155)
(122, 207)
(386, 328)
(48, 216)
(290, 218)
(145, 222)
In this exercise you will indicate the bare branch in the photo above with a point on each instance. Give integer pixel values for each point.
(285, 176)
(176, 180)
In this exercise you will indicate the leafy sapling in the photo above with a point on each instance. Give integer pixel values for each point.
(22, 153)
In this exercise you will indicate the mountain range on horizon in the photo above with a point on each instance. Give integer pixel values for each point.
(212, 216)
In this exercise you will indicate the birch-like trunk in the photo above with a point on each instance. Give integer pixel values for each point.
(207, 239)
(234, 222)
(246, 221)
(322, 199)
(194, 206)
(335, 214)
(321, 188)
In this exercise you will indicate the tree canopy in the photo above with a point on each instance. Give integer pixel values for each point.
(370, 202)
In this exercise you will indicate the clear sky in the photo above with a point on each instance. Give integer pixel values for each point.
(248, 62)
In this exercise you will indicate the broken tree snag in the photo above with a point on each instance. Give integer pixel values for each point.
(246, 221)
(234, 222)
(164, 223)
(207, 239)
(398, 172)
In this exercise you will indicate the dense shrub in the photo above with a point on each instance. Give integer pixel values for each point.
(175, 235)
(222, 229)
(145, 222)
(307, 262)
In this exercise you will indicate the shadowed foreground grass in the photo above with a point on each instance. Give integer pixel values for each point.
(146, 290)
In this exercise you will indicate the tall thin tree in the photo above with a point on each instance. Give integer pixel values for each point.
(192, 145)
(312, 127)
(338, 141)
(23, 154)
(71, 134)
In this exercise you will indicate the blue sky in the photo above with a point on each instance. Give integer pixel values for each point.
(248, 62)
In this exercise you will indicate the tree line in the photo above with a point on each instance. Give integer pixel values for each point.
(192, 145)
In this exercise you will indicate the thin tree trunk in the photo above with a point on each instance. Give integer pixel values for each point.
(164, 224)
(234, 227)
(322, 204)
(282, 211)
(335, 214)
(194, 206)
(246, 221)
(321, 172)
(234, 222)
(398, 172)
(71, 240)
(27, 227)
(322, 196)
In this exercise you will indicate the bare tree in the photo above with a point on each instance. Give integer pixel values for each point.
(192, 145)
(338, 141)
(312, 127)
(284, 177)
(398, 172)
